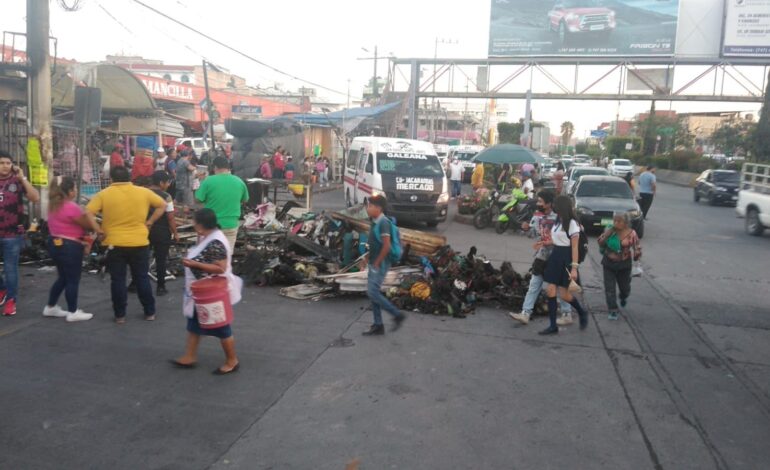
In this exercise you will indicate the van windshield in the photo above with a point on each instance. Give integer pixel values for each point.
(408, 164)
(465, 156)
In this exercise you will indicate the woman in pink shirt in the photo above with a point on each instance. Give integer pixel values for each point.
(67, 224)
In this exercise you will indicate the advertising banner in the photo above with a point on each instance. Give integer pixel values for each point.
(583, 27)
(747, 28)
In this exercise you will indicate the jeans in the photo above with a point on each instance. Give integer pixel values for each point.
(616, 273)
(322, 179)
(11, 249)
(535, 286)
(138, 260)
(160, 242)
(457, 188)
(68, 258)
(646, 202)
(379, 302)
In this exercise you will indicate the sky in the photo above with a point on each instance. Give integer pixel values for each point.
(319, 41)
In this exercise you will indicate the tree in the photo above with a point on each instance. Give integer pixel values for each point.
(734, 137)
(510, 132)
(582, 148)
(567, 129)
(761, 135)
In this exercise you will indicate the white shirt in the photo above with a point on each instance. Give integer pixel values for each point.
(560, 238)
(529, 188)
(456, 171)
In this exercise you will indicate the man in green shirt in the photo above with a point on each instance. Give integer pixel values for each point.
(224, 193)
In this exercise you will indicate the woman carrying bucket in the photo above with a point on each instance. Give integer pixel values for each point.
(210, 291)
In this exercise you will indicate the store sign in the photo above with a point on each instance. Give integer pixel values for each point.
(246, 109)
(747, 28)
(168, 90)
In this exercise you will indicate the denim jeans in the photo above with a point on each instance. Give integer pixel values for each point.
(535, 286)
(138, 260)
(457, 188)
(11, 249)
(68, 258)
(374, 290)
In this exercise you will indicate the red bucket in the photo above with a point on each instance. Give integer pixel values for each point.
(212, 302)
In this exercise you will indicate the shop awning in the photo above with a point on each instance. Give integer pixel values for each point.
(122, 92)
(150, 125)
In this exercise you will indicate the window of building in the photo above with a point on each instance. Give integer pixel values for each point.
(166, 77)
(185, 79)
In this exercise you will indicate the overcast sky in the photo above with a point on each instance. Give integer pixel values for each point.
(313, 39)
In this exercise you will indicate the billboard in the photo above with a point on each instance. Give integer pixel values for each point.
(583, 27)
(747, 28)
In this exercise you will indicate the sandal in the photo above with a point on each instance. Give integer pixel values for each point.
(182, 365)
(225, 372)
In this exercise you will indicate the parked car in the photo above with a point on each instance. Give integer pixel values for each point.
(619, 167)
(717, 187)
(576, 172)
(754, 198)
(598, 198)
(569, 18)
(197, 144)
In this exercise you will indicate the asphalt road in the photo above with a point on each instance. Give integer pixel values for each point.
(681, 381)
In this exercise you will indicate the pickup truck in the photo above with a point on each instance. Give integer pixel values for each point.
(754, 198)
(570, 17)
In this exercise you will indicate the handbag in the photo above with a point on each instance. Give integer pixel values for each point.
(637, 270)
(574, 287)
(538, 267)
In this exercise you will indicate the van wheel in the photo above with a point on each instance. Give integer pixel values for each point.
(753, 225)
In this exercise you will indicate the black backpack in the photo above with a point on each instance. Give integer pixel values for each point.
(582, 246)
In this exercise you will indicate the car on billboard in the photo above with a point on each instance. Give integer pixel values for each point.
(573, 17)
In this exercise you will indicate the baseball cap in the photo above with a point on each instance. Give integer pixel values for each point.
(161, 149)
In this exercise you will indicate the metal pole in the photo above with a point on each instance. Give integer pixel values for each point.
(414, 99)
(38, 27)
(527, 119)
(83, 143)
(375, 87)
(431, 128)
(208, 105)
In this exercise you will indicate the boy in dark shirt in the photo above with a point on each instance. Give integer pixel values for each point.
(163, 232)
(379, 264)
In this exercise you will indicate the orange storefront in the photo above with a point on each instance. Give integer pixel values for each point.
(224, 102)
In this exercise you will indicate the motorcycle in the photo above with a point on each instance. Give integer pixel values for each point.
(484, 217)
(515, 213)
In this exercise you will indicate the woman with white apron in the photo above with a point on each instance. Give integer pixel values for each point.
(212, 256)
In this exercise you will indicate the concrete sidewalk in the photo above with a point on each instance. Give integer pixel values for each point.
(482, 392)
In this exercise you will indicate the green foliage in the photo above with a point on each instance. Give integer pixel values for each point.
(510, 132)
(593, 150)
(617, 145)
(680, 160)
(734, 138)
(761, 135)
(581, 148)
(567, 129)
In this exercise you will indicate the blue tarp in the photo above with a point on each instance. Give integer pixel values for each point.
(337, 116)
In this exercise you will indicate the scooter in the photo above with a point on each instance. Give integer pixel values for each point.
(515, 213)
(484, 217)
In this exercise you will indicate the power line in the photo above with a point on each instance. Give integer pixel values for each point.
(247, 56)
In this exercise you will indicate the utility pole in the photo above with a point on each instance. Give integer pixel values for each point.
(465, 114)
(375, 85)
(525, 141)
(208, 106)
(39, 83)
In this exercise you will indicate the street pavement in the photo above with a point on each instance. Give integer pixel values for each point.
(681, 381)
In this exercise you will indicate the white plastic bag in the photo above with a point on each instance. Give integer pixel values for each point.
(637, 270)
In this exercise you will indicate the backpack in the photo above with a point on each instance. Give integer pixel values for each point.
(396, 250)
(582, 246)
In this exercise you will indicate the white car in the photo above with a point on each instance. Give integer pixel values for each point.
(619, 167)
(581, 160)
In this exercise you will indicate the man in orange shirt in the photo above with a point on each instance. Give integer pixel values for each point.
(144, 165)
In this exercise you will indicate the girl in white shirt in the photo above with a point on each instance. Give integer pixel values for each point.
(563, 263)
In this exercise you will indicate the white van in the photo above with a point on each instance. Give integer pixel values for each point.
(407, 172)
(197, 144)
(465, 153)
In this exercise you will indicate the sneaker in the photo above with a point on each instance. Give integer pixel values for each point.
(522, 317)
(161, 291)
(613, 316)
(549, 331)
(79, 315)
(54, 311)
(623, 302)
(564, 320)
(10, 308)
(375, 330)
(3, 297)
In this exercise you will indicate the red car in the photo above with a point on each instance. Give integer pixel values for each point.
(570, 17)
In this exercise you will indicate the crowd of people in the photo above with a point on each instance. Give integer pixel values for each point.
(281, 166)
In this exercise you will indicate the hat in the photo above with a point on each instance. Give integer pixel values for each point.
(526, 174)
(161, 149)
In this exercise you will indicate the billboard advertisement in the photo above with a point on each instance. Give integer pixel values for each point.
(583, 27)
(747, 28)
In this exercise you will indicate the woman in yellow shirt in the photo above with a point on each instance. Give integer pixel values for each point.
(477, 178)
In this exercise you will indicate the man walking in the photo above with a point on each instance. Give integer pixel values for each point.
(542, 223)
(124, 209)
(162, 232)
(378, 266)
(647, 188)
(185, 174)
(13, 188)
(224, 193)
(456, 177)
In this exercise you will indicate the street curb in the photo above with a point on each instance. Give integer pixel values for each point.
(464, 219)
